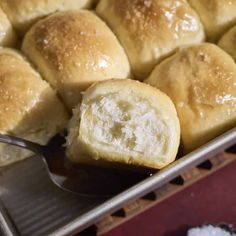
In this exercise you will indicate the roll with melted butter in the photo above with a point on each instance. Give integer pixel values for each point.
(7, 33)
(217, 16)
(151, 30)
(124, 121)
(24, 13)
(201, 81)
(228, 42)
(74, 49)
(29, 108)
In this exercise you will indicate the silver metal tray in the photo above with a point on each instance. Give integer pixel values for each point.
(31, 205)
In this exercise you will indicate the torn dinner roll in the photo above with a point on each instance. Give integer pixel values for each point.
(29, 108)
(151, 30)
(74, 49)
(126, 122)
(201, 81)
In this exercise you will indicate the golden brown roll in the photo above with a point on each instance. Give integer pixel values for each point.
(24, 13)
(29, 108)
(201, 81)
(74, 49)
(228, 42)
(150, 30)
(124, 121)
(7, 34)
(217, 16)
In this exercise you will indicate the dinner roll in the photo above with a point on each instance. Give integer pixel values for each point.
(201, 81)
(150, 30)
(227, 42)
(24, 13)
(217, 16)
(126, 122)
(29, 108)
(7, 34)
(74, 49)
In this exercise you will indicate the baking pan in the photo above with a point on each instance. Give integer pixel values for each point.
(31, 205)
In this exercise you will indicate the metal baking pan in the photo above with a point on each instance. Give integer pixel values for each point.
(31, 205)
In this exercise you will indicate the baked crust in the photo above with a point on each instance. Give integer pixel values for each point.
(228, 41)
(217, 16)
(7, 33)
(74, 49)
(24, 13)
(201, 81)
(24, 100)
(150, 30)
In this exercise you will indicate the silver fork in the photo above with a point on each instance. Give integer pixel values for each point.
(80, 179)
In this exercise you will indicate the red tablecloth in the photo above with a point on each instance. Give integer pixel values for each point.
(211, 200)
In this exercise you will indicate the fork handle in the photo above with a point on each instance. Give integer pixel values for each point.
(12, 140)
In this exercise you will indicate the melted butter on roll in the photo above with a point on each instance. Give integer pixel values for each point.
(150, 30)
(74, 49)
(124, 121)
(201, 81)
(29, 108)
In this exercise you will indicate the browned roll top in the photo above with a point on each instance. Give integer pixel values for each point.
(74, 49)
(150, 30)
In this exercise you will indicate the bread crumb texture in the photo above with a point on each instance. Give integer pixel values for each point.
(125, 121)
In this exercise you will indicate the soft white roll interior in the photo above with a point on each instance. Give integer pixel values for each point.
(124, 124)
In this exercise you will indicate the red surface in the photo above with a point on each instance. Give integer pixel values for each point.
(211, 200)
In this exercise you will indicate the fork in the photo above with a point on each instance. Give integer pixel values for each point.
(80, 179)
